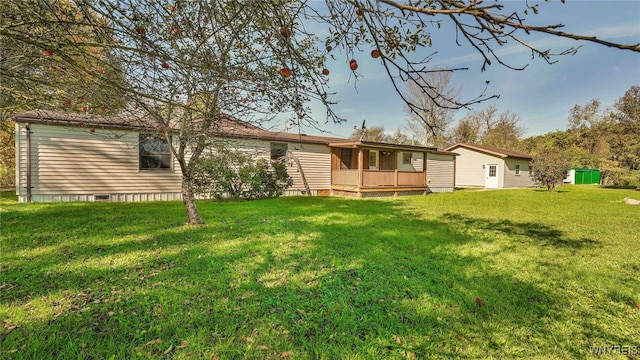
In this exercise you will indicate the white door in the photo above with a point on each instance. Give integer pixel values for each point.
(491, 176)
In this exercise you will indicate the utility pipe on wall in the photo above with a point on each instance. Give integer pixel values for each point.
(28, 164)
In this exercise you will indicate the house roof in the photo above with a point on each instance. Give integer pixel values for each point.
(226, 126)
(502, 153)
(83, 120)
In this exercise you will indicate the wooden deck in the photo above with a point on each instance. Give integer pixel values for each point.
(378, 182)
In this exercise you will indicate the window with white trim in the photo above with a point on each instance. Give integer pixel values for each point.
(517, 169)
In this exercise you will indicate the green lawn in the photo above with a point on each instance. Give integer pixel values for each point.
(471, 274)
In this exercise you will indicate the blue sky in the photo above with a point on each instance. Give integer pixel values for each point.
(541, 95)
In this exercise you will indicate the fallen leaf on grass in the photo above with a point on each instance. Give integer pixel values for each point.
(286, 354)
(168, 349)
(154, 342)
(397, 339)
(262, 347)
(9, 327)
(479, 302)
(183, 344)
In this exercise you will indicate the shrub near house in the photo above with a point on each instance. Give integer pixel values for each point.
(233, 174)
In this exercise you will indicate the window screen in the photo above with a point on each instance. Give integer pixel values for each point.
(154, 152)
(278, 151)
(345, 158)
(407, 157)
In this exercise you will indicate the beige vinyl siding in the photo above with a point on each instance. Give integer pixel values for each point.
(416, 161)
(512, 180)
(75, 161)
(315, 160)
(469, 167)
(440, 172)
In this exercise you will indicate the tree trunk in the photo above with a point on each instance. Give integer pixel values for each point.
(193, 216)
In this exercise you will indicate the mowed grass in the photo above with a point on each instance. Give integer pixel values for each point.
(470, 274)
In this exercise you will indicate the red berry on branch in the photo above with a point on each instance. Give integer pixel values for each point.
(284, 31)
(353, 65)
(285, 72)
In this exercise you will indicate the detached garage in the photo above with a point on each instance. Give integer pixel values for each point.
(491, 168)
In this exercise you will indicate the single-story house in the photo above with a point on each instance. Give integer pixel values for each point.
(492, 168)
(78, 157)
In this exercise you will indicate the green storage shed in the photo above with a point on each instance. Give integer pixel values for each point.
(586, 176)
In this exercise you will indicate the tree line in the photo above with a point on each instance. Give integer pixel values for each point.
(606, 138)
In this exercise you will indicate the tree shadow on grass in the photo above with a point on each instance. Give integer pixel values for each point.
(324, 278)
(528, 231)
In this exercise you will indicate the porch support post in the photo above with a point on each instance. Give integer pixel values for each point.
(395, 178)
(360, 167)
(424, 168)
(424, 172)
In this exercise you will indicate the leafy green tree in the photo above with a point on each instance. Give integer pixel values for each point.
(41, 68)
(505, 132)
(625, 132)
(490, 128)
(468, 130)
(550, 167)
(608, 140)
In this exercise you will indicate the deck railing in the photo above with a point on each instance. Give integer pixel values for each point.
(345, 177)
(381, 178)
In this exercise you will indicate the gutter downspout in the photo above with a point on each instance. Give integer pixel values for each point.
(28, 164)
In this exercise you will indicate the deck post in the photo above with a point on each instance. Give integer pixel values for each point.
(360, 167)
(395, 178)
(424, 168)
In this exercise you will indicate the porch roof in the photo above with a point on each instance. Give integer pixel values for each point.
(372, 144)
